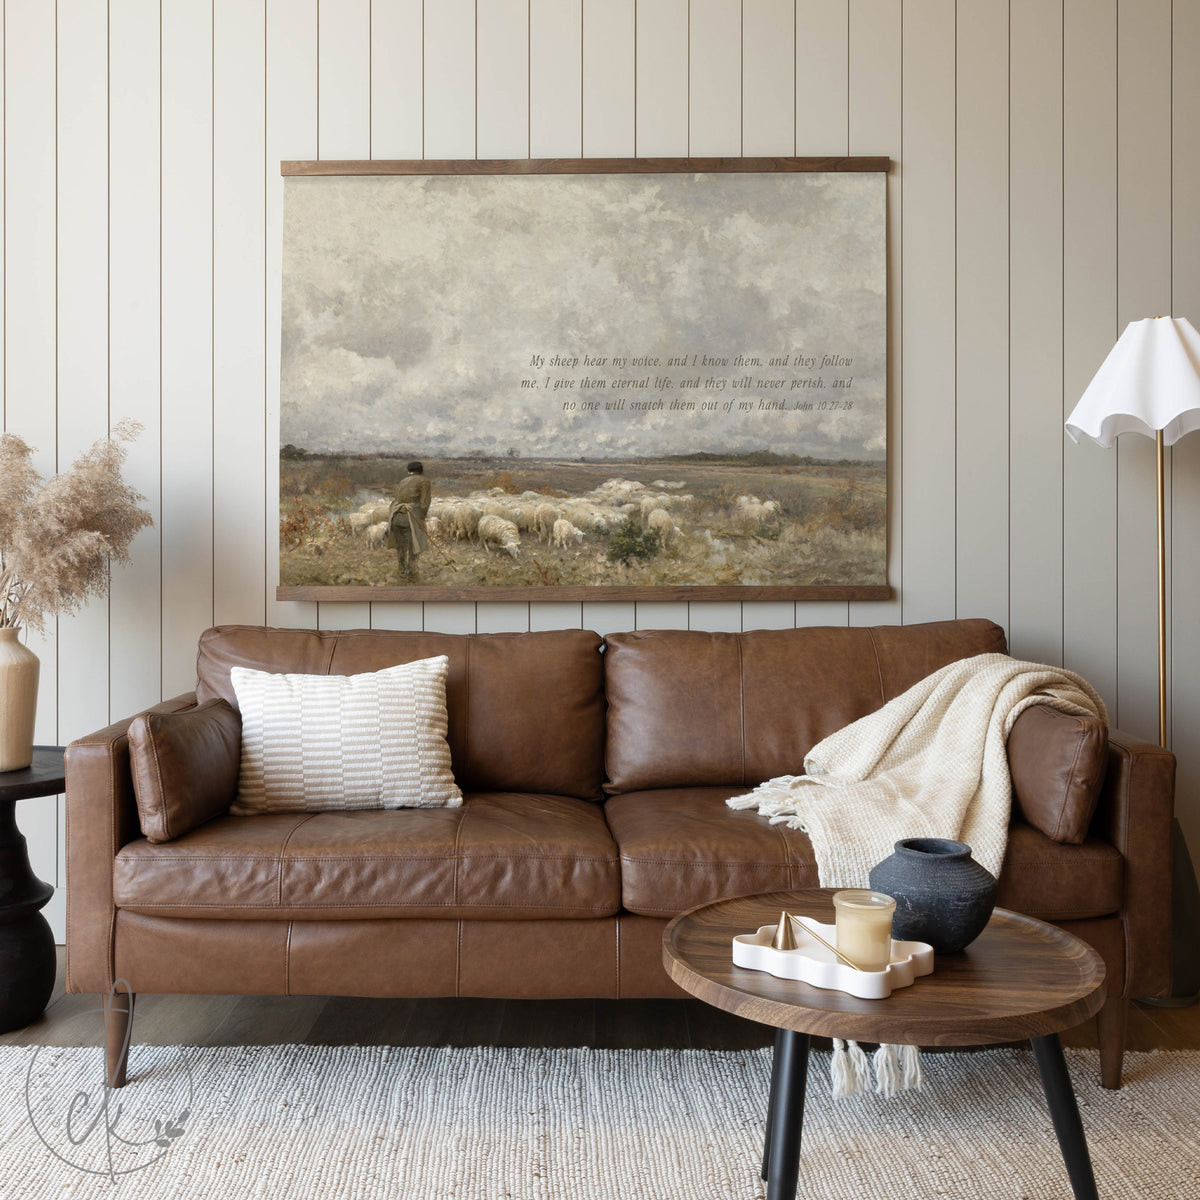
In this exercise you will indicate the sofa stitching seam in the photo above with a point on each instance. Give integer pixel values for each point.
(458, 828)
(287, 960)
(787, 855)
(704, 864)
(139, 904)
(458, 959)
(113, 848)
(278, 860)
(617, 943)
(154, 859)
(1131, 791)
(166, 819)
(878, 666)
(1062, 812)
(742, 704)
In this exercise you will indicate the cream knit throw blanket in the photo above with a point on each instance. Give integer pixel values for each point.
(930, 763)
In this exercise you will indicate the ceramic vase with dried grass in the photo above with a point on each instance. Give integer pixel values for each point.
(18, 701)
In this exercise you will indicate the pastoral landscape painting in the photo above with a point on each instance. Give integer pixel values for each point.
(630, 383)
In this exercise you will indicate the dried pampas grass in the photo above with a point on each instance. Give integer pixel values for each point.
(57, 536)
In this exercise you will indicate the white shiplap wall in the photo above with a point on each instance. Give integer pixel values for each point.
(1043, 150)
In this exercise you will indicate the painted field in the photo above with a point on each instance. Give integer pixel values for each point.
(522, 522)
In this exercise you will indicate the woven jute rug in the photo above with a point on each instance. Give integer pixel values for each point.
(495, 1124)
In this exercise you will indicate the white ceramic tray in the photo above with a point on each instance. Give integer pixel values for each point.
(812, 963)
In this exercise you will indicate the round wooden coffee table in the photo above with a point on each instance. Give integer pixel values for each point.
(1020, 979)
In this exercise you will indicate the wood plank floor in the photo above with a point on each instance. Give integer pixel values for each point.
(607, 1024)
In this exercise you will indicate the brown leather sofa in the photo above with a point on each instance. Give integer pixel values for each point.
(595, 773)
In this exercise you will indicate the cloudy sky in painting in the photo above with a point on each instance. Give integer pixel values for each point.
(412, 306)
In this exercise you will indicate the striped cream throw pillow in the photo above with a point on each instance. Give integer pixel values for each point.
(312, 743)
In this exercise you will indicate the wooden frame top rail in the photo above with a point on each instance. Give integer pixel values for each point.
(572, 166)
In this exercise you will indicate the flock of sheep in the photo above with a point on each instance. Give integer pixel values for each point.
(495, 519)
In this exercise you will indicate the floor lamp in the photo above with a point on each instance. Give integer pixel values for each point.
(1150, 384)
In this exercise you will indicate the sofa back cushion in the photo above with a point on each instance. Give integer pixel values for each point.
(525, 710)
(688, 708)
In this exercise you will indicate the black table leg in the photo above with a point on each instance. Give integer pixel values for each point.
(1064, 1112)
(786, 1118)
(27, 960)
(771, 1104)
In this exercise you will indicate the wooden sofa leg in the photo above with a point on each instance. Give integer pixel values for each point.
(1112, 1021)
(118, 1027)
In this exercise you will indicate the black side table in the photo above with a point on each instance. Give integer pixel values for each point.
(27, 960)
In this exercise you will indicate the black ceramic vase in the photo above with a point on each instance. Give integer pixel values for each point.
(943, 896)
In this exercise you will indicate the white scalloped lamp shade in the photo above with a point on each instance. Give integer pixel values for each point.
(1149, 381)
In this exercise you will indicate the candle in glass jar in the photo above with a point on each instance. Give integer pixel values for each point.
(864, 927)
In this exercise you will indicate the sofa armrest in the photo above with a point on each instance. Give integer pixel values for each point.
(1134, 814)
(101, 817)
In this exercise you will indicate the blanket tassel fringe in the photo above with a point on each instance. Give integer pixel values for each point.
(896, 1068)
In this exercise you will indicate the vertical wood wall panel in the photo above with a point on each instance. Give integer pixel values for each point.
(662, 78)
(397, 78)
(239, 321)
(928, 485)
(822, 73)
(876, 127)
(187, 347)
(769, 614)
(30, 342)
(503, 617)
(344, 69)
(1184, 550)
(1040, 197)
(1035, 344)
(449, 73)
(82, 293)
(30, 271)
(769, 77)
(555, 78)
(555, 615)
(661, 614)
(981, 320)
(397, 615)
(344, 72)
(715, 82)
(291, 133)
(609, 616)
(609, 129)
(1143, 290)
(82, 365)
(502, 109)
(135, 593)
(716, 616)
(1089, 330)
(449, 618)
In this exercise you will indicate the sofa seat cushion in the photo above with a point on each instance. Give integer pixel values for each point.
(1056, 882)
(681, 847)
(501, 855)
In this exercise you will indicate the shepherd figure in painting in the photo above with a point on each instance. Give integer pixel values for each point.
(407, 519)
